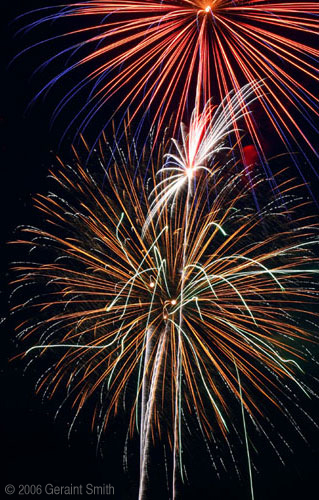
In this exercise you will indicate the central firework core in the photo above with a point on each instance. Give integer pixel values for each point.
(190, 172)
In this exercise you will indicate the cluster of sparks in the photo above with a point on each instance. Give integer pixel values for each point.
(168, 289)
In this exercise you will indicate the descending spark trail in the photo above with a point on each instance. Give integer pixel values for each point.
(150, 54)
(147, 415)
(183, 314)
(245, 432)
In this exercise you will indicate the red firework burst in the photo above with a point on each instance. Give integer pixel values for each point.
(175, 54)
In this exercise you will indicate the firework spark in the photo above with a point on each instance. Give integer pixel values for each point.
(195, 311)
(186, 52)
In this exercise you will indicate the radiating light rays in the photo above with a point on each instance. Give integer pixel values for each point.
(170, 56)
(186, 318)
(201, 142)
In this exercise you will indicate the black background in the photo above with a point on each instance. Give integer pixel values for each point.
(35, 448)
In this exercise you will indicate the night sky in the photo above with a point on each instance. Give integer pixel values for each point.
(36, 449)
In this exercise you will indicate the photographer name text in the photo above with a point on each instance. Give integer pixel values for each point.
(57, 490)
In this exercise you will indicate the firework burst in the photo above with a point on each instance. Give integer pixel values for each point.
(202, 141)
(177, 55)
(180, 314)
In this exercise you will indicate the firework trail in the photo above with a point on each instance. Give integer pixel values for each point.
(153, 54)
(178, 314)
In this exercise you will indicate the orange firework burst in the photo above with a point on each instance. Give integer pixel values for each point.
(175, 54)
(177, 314)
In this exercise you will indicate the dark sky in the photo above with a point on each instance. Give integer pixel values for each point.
(35, 448)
